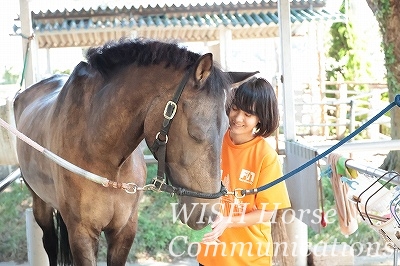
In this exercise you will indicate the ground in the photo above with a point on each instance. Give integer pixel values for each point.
(358, 261)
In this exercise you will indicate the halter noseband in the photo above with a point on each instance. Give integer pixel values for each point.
(159, 148)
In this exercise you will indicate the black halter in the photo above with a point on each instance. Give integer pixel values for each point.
(159, 148)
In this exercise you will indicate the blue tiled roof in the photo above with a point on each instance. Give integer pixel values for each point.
(62, 7)
(187, 20)
(206, 20)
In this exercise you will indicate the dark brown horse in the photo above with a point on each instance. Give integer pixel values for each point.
(95, 119)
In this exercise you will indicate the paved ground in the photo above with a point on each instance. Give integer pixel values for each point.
(374, 261)
(185, 262)
(358, 261)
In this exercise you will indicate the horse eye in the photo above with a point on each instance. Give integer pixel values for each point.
(198, 134)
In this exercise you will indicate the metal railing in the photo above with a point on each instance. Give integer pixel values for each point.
(10, 179)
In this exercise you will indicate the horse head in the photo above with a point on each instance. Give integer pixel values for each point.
(193, 138)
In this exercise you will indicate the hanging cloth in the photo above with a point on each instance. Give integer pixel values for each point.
(346, 210)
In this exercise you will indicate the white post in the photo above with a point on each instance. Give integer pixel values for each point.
(286, 66)
(48, 70)
(27, 31)
(297, 230)
(373, 129)
(37, 256)
(215, 49)
(225, 45)
(297, 233)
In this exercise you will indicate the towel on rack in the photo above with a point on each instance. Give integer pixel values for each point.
(346, 211)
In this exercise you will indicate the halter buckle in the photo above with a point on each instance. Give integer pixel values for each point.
(173, 111)
(130, 188)
(237, 193)
(157, 183)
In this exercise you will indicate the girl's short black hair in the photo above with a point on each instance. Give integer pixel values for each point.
(257, 96)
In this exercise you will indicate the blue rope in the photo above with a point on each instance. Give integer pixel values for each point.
(331, 149)
(25, 64)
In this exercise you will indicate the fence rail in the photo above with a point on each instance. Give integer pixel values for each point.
(333, 112)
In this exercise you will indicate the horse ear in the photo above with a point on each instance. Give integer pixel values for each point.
(240, 77)
(203, 68)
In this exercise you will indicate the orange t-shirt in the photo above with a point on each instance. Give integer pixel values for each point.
(247, 166)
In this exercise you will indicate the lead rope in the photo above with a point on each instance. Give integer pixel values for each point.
(128, 187)
(245, 192)
(238, 192)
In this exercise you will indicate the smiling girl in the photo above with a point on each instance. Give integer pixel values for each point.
(241, 235)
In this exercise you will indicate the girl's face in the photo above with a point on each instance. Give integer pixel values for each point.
(241, 125)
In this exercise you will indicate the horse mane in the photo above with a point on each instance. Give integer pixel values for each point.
(116, 54)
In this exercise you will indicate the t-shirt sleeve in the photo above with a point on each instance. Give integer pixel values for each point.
(275, 197)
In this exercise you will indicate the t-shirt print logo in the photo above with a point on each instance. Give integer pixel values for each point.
(247, 176)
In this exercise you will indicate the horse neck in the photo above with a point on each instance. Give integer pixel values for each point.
(120, 107)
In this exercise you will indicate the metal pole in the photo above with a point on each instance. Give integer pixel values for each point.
(383, 145)
(9, 179)
(376, 172)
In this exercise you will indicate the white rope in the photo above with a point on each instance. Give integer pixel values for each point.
(75, 169)
(57, 159)
(21, 136)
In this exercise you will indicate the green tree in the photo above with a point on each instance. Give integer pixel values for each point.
(346, 53)
(387, 13)
(346, 60)
(347, 63)
(9, 77)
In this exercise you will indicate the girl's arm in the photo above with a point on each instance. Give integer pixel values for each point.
(223, 222)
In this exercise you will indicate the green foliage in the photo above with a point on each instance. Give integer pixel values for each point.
(9, 77)
(391, 61)
(383, 14)
(345, 55)
(58, 71)
(14, 200)
(347, 61)
(157, 229)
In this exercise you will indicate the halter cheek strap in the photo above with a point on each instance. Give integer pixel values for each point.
(159, 145)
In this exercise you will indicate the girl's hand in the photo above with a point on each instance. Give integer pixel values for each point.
(218, 227)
